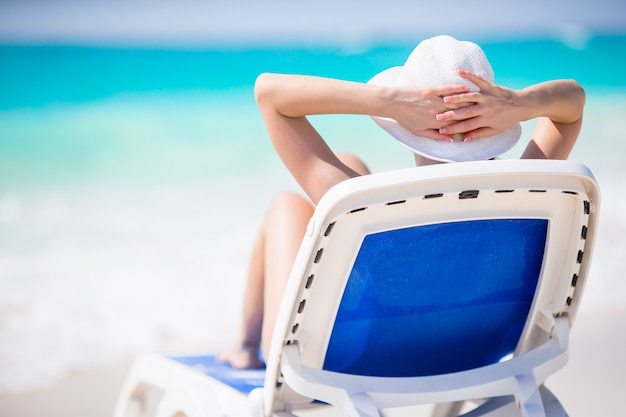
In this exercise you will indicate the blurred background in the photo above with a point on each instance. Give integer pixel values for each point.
(135, 169)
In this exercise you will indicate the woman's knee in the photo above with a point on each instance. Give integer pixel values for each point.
(289, 207)
(353, 162)
(287, 200)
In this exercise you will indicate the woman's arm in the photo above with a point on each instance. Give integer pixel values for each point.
(558, 104)
(286, 100)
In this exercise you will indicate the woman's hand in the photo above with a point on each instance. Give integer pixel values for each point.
(483, 113)
(416, 108)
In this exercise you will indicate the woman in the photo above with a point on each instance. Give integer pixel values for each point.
(437, 104)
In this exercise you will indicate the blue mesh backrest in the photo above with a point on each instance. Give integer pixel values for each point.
(438, 298)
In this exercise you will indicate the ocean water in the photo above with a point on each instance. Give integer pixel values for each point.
(132, 183)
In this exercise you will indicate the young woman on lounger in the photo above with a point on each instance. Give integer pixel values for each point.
(442, 104)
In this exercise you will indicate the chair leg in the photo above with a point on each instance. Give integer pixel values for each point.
(179, 402)
(452, 409)
(551, 404)
(140, 400)
(506, 406)
(158, 387)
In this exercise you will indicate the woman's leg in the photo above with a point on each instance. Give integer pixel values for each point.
(286, 227)
(245, 351)
(272, 258)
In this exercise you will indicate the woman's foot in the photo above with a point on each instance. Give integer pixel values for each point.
(243, 356)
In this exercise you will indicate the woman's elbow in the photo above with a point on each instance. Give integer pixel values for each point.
(579, 97)
(263, 87)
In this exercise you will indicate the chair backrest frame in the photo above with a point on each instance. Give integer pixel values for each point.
(564, 193)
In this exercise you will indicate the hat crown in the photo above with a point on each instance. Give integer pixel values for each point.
(436, 61)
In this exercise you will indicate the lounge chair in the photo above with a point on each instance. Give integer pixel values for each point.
(455, 285)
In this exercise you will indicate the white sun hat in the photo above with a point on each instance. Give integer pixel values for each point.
(435, 62)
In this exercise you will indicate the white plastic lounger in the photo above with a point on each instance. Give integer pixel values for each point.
(450, 284)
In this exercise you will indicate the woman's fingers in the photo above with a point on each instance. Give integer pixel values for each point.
(480, 133)
(460, 127)
(470, 130)
(478, 114)
(450, 90)
(479, 81)
(461, 113)
(435, 135)
(472, 124)
(463, 98)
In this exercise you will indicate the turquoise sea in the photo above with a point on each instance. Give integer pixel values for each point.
(132, 181)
